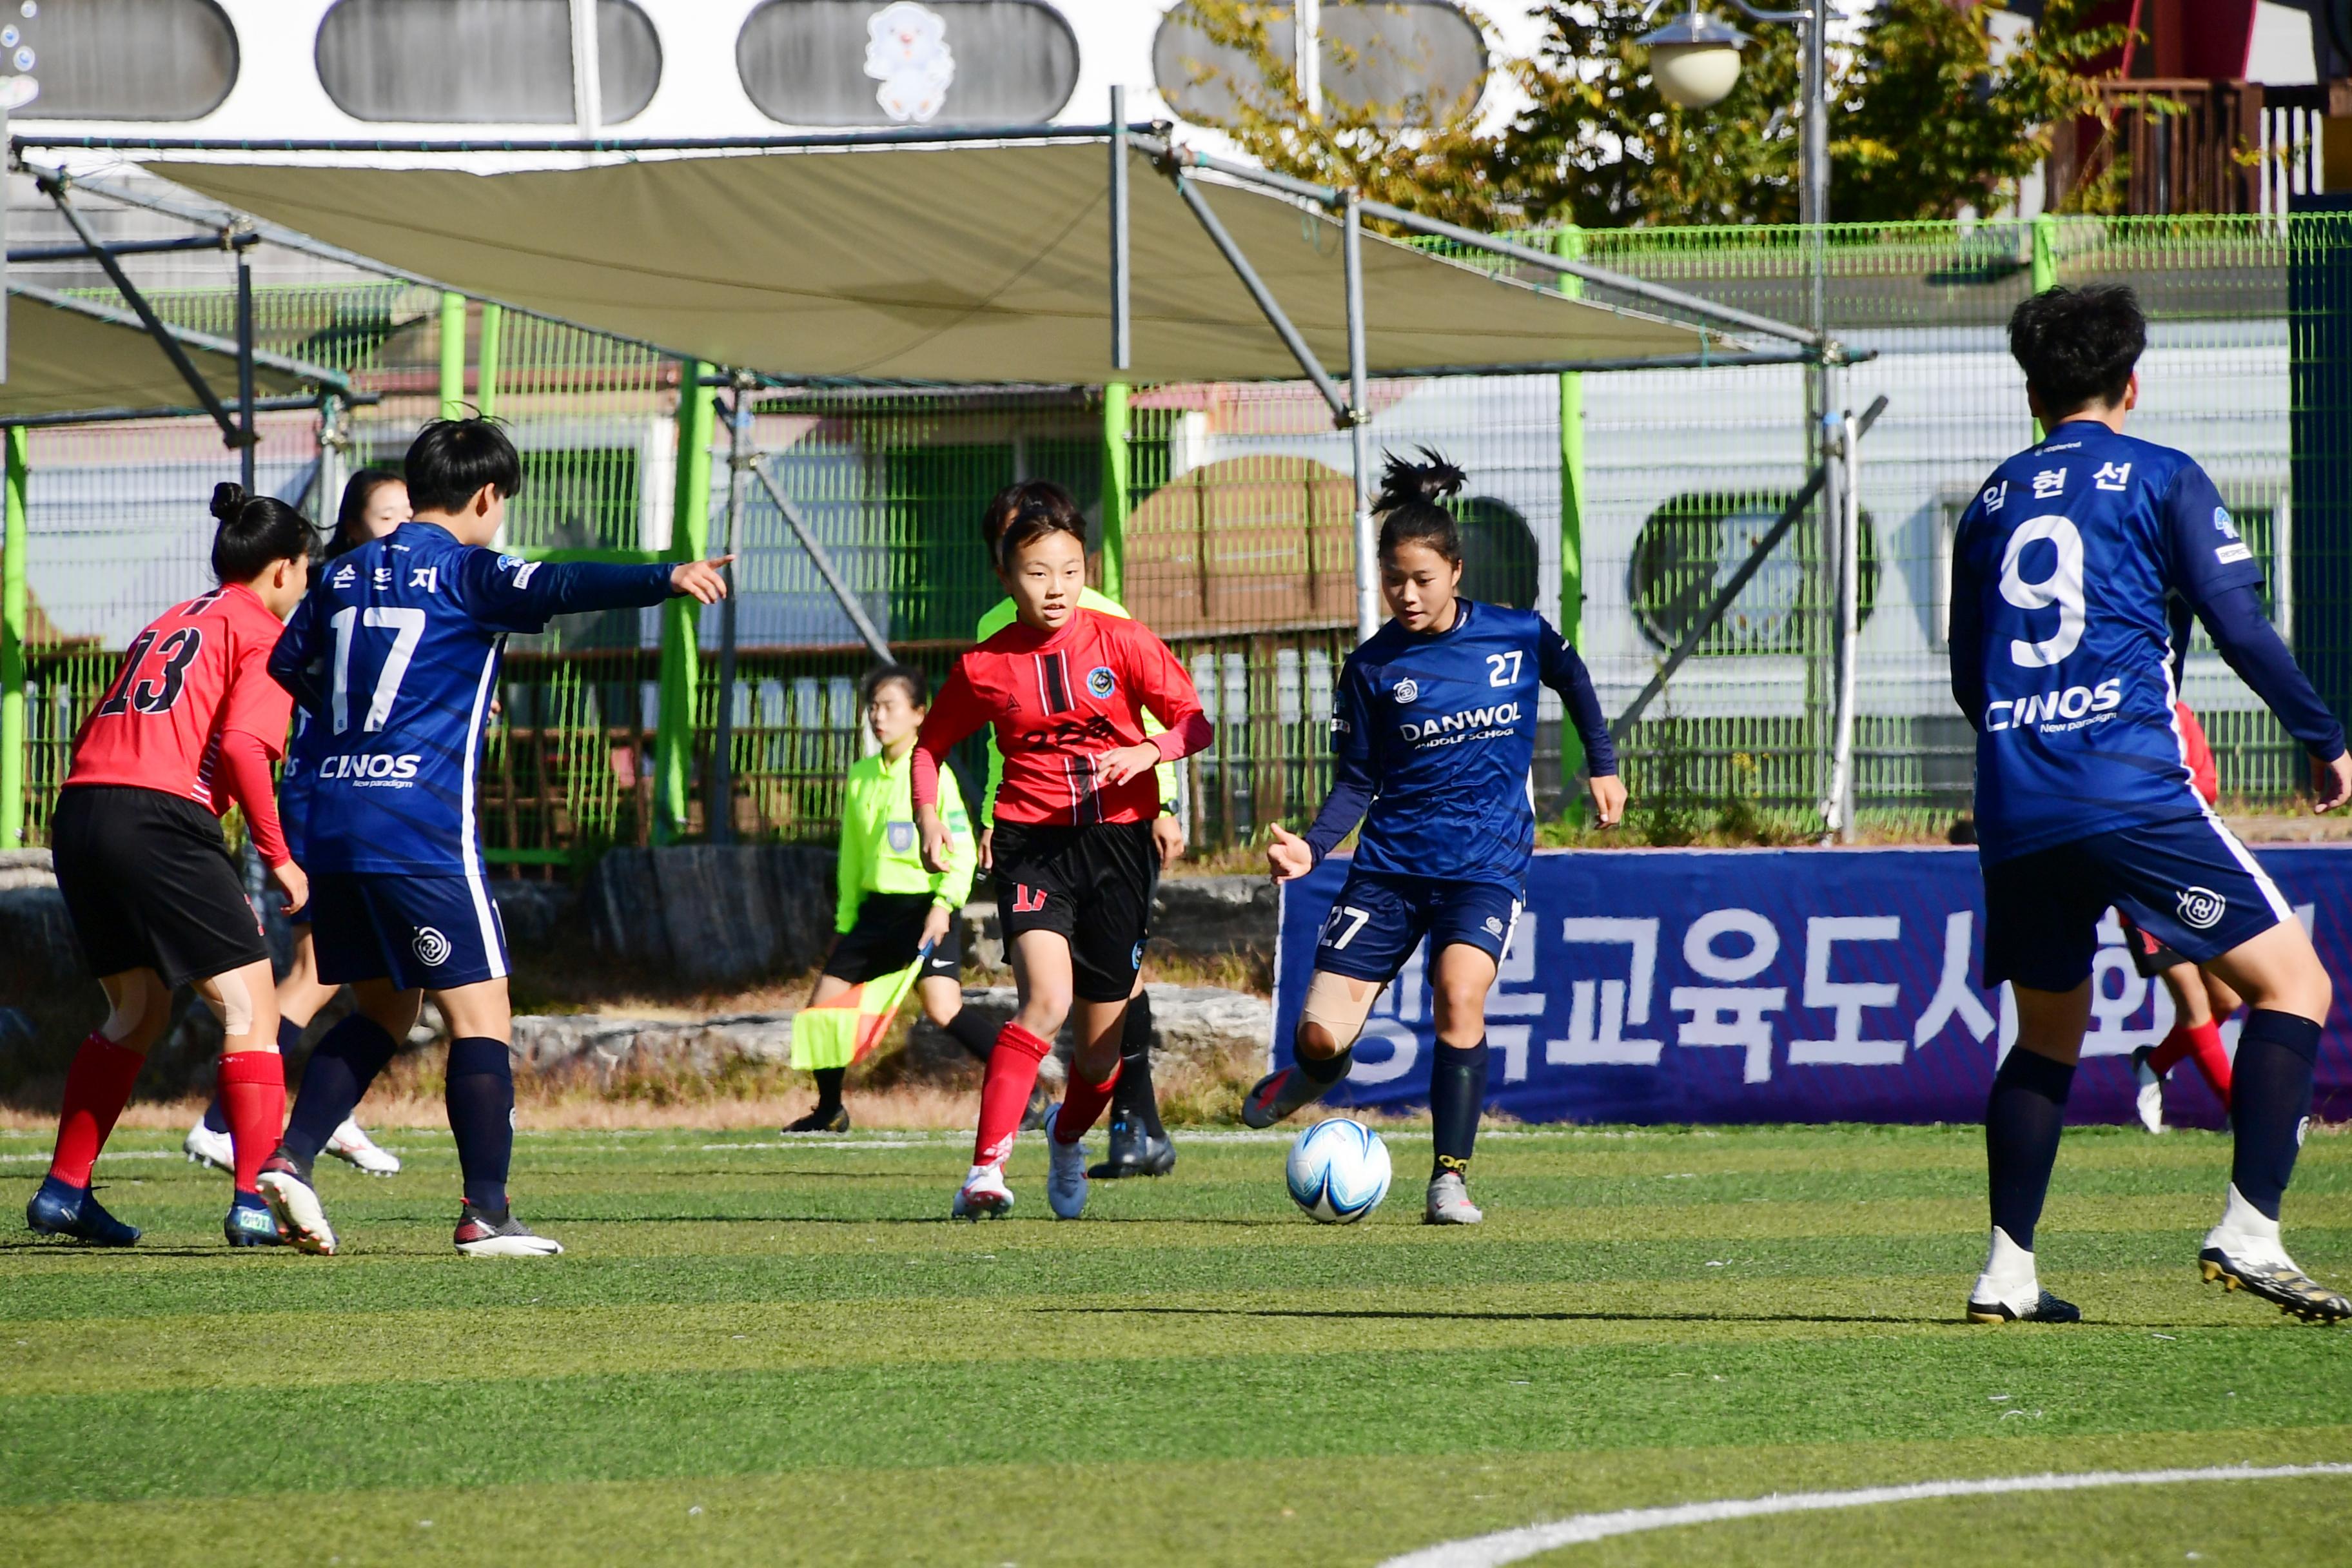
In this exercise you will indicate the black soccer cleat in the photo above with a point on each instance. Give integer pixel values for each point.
(2294, 1292)
(821, 1121)
(2047, 1309)
(73, 1214)
(1280, 1094)
(1133, 1152)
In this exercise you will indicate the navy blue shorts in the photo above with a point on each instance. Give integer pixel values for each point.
(2190, 885)
(435, 932)
(1378, 920)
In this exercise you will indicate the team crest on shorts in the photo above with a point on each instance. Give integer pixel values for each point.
(901, 836)
(2202, 909)
(1406, 691)
(1101, 681)
(432, 947)
(1135, 959)
(1493, 926)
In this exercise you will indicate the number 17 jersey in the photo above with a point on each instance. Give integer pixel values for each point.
(2074, 574)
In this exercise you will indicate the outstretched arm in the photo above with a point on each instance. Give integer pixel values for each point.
(508, 592)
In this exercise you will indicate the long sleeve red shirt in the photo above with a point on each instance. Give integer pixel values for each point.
(1059, 701)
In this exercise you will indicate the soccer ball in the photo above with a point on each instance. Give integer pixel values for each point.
(1337, 1171)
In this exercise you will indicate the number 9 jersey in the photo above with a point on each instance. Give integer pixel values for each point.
(2074, 572)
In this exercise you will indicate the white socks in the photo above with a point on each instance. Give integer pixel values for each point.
(2248, 1234)
(2009, 1279)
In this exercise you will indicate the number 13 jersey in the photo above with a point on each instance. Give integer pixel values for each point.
(2074, 574)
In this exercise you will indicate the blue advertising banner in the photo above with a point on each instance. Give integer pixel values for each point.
(1677, 985)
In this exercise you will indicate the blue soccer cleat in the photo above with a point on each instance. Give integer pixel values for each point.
(248, 1225)
(71, 1212)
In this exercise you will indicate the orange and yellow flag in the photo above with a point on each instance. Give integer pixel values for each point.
(837, 1033)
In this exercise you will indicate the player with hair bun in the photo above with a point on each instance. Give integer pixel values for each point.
(189, 726)
(1065, 688)
(1432, 735)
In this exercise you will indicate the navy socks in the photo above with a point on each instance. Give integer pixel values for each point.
(347, 1060)
(2270, 1102)
(480, 1097)
(1134, 1100)
(1457, 1092)
(2023, 1118)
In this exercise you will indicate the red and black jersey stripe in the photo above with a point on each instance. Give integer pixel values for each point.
(1053, 682)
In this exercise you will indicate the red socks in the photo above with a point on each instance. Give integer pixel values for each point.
(97, 1086)
(1005, 1093)
(253, 1097)
(1082, 1104)
(2203, 1041)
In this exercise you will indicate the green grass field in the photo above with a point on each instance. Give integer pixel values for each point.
(763, 1354)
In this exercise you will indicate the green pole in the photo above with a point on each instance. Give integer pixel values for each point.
(14, 615)
(487, 374)
(1114, 491)
(1569, 243)
(681, 663)
(453, 356)
(2045, 253)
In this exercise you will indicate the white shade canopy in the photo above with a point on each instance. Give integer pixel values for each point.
(68, 355)
(972, 264)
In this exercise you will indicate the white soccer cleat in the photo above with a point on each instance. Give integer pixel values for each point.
(2150, 1099)
(351, 1143)
(983, 1196)
(484, 1234)
(203, 1146)
(1449, 1202)
(2009, 1290)
(1065, 1177)
(294, 1203)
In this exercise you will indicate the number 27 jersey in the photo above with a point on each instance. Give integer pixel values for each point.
(2074, 572)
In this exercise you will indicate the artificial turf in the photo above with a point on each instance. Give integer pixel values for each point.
(762, 1350)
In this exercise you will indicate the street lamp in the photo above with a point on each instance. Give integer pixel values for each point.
(1695, 59)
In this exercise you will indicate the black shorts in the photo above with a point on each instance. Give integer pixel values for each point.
(149, 883)
(1092, 885)
(2149, 957)
(888, 933)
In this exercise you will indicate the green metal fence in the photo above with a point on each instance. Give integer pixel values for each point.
(1613, 502)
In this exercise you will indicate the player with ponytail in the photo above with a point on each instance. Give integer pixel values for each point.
(1432, 734)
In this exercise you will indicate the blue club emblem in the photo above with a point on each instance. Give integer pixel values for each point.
(901, 835)
(1101, 681)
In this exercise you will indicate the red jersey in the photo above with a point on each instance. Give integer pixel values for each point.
(1059, 700)
(2198, 754)
(197, 673)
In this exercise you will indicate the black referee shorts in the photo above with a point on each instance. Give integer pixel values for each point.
(888, 933)
(1091, 885)
(149, 883)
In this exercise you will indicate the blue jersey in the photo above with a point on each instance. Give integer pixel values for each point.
(2074, 572)
(394, 654)
(1437, 733)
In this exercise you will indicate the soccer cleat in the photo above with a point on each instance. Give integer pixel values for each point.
(249, 1226)
(1133, 1152)
(1066, 1172)
(72, 1213)
(203, 1146)
(483, 1235)
(983, 1196)
(1041, 1102)
(1449, 1202)
(1279, 1094)
(2151, 1089)
(351, 1143)
(821, 1121)
(294, 1204)
(2244, 1252)
(2043, 1308)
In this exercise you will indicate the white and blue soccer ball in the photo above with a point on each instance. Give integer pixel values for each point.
(1337, 1171)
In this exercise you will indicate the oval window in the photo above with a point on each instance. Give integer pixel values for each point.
(481, 62)
(939, 62)
(117, 60)
(1402, 62)
(1695, 542)
(1500, 562)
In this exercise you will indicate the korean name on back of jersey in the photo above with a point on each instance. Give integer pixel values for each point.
(2080, 562)
(400, 642)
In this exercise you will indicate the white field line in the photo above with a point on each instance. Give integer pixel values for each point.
(1530, 1541)
(109, 1158)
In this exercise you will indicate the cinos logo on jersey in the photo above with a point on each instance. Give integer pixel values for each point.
(370, 769)
(1470, 724)
(2054, 708)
